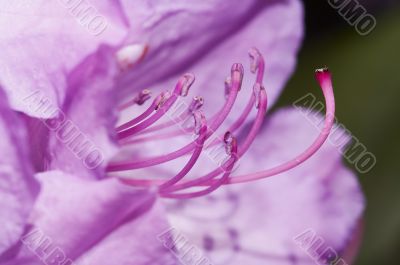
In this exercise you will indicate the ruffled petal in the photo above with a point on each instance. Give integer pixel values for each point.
(259, 222)
(206, 38)
(17, 186)
(93, 222)
(49, 39)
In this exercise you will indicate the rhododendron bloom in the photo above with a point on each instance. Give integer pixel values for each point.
(110, 144)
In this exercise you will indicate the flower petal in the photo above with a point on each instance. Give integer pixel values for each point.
(207, 37)
(85, 220)
(258, 222)
(82, 138)
(136, 243)
(17, 186)
(47, 40)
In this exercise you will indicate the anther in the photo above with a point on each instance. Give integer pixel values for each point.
(196, 104)
(228, 137)
(143, 96)
(161, 99)
(257, 64)
(230, 143)
(187, 81)
(255, 59)
(237, 72)
(199, 121)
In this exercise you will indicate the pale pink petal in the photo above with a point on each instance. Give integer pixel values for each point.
(42, 41)
(93, 222)
(17, 186)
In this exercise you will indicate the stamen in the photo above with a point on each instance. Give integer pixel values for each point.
(324, 79)
(196, 104)
(187, 83)
(160, 101)
(155, 137)
(134, 164)
(166, 125)
(199, 121)
(209, 178)
(254, 100)
(228, 140)
(164, 102)
(140, 99)
(237, 73)
(257, 64)
(141, 117)
(129, 165)
(262, 109)
(143, 97)
(172, 188)
(201, 125)
(215, 185)
(237, 78)
(228, 166)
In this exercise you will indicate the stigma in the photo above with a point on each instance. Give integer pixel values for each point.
(180, 186)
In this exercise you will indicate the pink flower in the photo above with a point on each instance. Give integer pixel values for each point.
(106, 187)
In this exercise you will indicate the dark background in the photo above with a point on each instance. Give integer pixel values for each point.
(367, 86)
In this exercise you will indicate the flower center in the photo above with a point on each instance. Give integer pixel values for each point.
(137, 129)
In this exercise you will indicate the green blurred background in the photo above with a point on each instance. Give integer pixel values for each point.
(367, 86)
